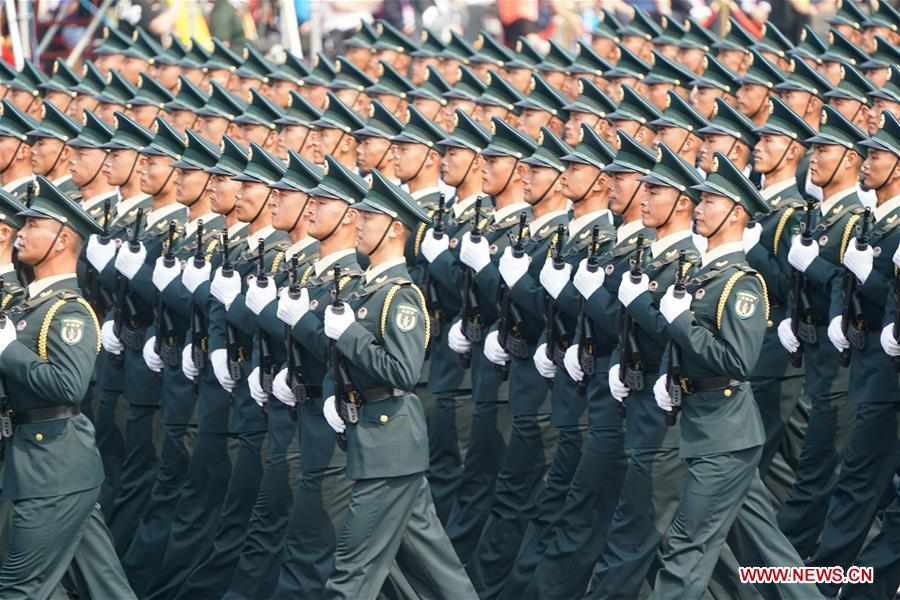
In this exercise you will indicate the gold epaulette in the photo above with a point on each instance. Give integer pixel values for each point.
(306, 273)
(385, 310)
(276, 262)
(779, 229)
(726, 293)
(420, 235)
(848, 232)
(48, 321)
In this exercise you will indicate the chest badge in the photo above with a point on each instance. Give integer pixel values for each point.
(609, 269)
(72, 331)
(21, 325)
(698, 295)
(823, 240)
(362, 312)
(453, 242)
(313, 304)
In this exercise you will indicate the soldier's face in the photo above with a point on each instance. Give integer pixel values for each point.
(750, 98)
(281, 92)
(692, 58)
(711, 211)
(8, 146)
(107, 112)
(144, 115)
(259, 135)
(605, 47)
(408, 160)
(798, 101)
(168, 76)
(484, 113)
(182, 120)
(881, 106)
(639, 46)
(855, 112)
(420, 69)
(450, 70)
(456, 165)
(432, 109)
(466, 106)
(769, 151)
(394, 104)
(287, 206)
(497, 173)
(156, 174)
(540, 182)
(703, 100)
(24, 101)
(518, 78)
(641, 134)
(189, 184)
(220, 76)
(324, 214)
(712, 143)
(572, 128)
(656, 204)
(315, 94)
(556, 79)
(879, 167)
(673, 137)
(325, 141)
(531, 121)
(45, 155)
(878, 77)
(370, 229)
(579, 180)
(120, 166)
(670, 51)
(297, 138)
(832, 71)
(213, 128)
(658, 94)
(85, 164)
(81, 104)
(374, 153)
(625, 191)
(826, 160)
(59, 99)
(223, 192)
(734, 60)
(35, 238)
(250, 200)
(356, 101)
(196, 76)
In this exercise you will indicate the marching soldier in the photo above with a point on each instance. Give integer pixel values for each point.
(87, 157)
(49, 153)
(16, 175)
(295, 129)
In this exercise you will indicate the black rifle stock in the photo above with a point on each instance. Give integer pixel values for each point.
(631, 371)
(802, 325)
(125, 308)
(198, 329)
(507, 320)
(584, 328)
(6, 425)
(292, 348)
(163, 329)
(471, 326)
(232, 347)
(852, 324)
(267, 364)
(344, 395)
(431, 293)
(673, 369)
(553, 326)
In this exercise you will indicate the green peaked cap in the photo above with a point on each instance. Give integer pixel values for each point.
(151, 93)
(189, 97)
(197, 56)
(773, 41)
(260, 111)
(430, 45)
(199, 155)
(884, 56)
(299, 111)
(549, 152)
(261, 167)
(381, 123)
(349, 77)
(173, 54)
(591, 99)
(847, 14)
(433, 88)
(389, 199)
(300, 175)
(508, 141)
(128, 135)
(490, 51)
(811, 45)
(696, 36)
(588, 62)
(727, 120)
(680, 114)
(761, 72)
(526, 56)
(467, 134)
(339, 183)
(222, 103)
(499, 92)
(887, 137)
(666, 71)
(843, 50)
(390, 82)
(232, 160)
(890, 91)
(338, 116)
(292, 70)
(671, 31)
(143, 47)
(50, 203)
(420, 130)
(633, 107)
(606, 26)
(631, 157)
(29, 79)
(670, 170)
(365, 36)
(629, 65)
(725, 179)
(641, 25)
(10, 210)
(717, 76)
(7, 73)
(390, 38)
(556, 59)
(94, 134)
(92, 80)
(783, 121)
(883, 15)
(56, 124)
(63, 80)
(591, 149)
(117, 90)
(735, 38)
(112, 41)
(255, 65)
(542, 96)
(805, 79)
(322, 72)
(835, 129)
(469, 87)
(222, 58)
(166, 142)
(14, 123)
(457, 49)
(853, 86)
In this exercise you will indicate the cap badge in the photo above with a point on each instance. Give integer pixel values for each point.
(715, 164)
(493, 128)
(540, 138)
(337, 67)
(659, 154)
(519, 46)
(424, 35)
(580, 87)
(881, 121)
(371, 111)
(581, 135)
(803, 35)
(325, 167)
(824, 116)
(479, 42)
(715, 109)
(488, 78)
(532, 83)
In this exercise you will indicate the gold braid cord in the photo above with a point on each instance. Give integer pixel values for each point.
(279, 258)
(385, 311)
(7, 298)
(765, 290)
(309, 271)
(48, 321)
(420, 235)
(726, 293)
(845, 239)
(779, 230)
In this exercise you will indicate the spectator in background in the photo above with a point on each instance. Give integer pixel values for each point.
(341, 18)
(519, 18)
(225, 22)
(402, 14)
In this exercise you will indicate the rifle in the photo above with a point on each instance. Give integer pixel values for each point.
(508, 319)
(431, 293)
(232, 347)
(896, 330)
(631, 372)
(855, 332)
(125, 308)
(292, 348)
(345, 397)
(163, 322)
(6, 425)
(802, 324)
(673, 370)
(198, 337)
(266, 360)
(470, 309)
(584, 328)
(97, 292)
(554, 326)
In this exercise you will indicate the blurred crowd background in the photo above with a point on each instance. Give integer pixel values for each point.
(50, 29)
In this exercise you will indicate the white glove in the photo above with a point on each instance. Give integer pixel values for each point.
(257, 298)
(801, 256)
(672, 307)
(192, 277)
(572, 364)
(99, 254)
(188, 367)
(543, 364)
(618, 389)
(475, 256)
(554, 280)
(108, 339)
(7, 334)
(628, 291)
(457, 341)
(888, 342)
(786, 336)
(336, 324)
(131, 13)
(859, 261)
(289, 310)
(837, 337)
(128, 263)
(751, 236)
(493, 351)
(331, 415)
(151, 358)
(281, 389)
(512, 269)
(432, 247)
(661, 394)
(163, 275)
(586, 282)
(219, 360)
(896, 257)
(254, 381)
(225, 289)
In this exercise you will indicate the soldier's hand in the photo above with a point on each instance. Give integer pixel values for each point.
(543, 364)
(618, 389)
(801, 255)
(572, 364)
(337, 323)
(329, 410)
(554, 280)
(512, 269)
(859, 261)
(192, 277)
(475, 256)
(458, 342)
(661, 394)
(225, 289)
(433, 247)
(836, 334)
(751, 236)
(281, 389)
(257, 298)
(587, 282)
(7, 334)
(219, 360)
(188, 367)
(151, 358)
(786, 336)
(254, 381)
(493, 351)
(672, 307)
(888, 342)
(163, 275)
(290, 310)
(108, 338)
(99, 254)
(628, 290)
(128, 263)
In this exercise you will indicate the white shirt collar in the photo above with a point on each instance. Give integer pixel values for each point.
(576, 225)
(418, 195)
(773, 190)
(536, 225)
(298, 246)
(626, 230)
(887, 208)
(663, 244)
(460, 206)
(12, 185)
(157, 215)
(237, 228)
(720, 251)
(7, 268)
(326, 262)
(126, 204)
(262, 235)
(502, 213)
(191, 227)
(61, 180)
(373, 272)
(38, 286)
(829, 203)
(90, 203)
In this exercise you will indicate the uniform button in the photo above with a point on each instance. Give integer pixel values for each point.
(728, 392)
(383, 419)
(769, 324)
(39, 437)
